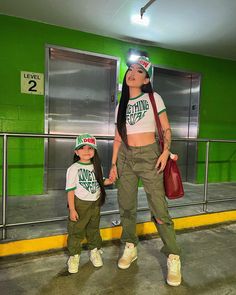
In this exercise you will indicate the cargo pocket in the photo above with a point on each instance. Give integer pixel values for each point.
(121, 162)
(156, 150)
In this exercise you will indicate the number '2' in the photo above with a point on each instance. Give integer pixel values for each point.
(32, 88)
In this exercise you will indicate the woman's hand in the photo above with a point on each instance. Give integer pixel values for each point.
(113, 173)
(161, 162)
(73, 215)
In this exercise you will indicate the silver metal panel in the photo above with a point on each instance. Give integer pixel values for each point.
(194, 106)
(81, 98)
(80, 93)
(193, 128)
(180, 92)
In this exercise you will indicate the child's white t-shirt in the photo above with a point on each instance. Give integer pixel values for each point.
(80, 177)
(139, 113)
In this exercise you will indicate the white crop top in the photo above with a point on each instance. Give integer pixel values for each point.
(139, 113)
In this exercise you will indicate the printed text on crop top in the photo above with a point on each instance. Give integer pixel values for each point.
(139, 113)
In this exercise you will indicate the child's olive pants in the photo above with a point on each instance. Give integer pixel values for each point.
(139, 163)
(86, 226)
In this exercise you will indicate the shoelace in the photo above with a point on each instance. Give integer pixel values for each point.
(96, 254)
(174, 266)
(74, 259)
(127, 252)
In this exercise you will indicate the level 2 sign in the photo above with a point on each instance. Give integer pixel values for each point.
(32, 83)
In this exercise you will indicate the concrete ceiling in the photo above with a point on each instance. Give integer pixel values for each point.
(206, 27)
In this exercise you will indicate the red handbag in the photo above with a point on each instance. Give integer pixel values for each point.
(172, 177)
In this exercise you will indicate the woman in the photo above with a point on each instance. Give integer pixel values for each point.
(136, 156)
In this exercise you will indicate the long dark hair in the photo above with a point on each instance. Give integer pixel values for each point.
(98, 174)
(121, 116)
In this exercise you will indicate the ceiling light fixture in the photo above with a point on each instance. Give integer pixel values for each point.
(134, 54)
(144, 21)
(133, 57)
(144, 8)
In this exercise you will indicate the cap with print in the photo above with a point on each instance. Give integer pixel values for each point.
(144, 62)
(85, 139)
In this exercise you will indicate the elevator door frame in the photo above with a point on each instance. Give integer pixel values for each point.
(193, 122)
(94, 55)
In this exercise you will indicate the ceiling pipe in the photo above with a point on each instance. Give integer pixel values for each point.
(143, 9)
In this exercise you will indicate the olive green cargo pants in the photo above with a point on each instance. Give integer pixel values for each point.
(86, 226)
(139, 163)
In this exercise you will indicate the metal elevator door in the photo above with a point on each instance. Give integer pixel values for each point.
(81, 98)
(181, 92)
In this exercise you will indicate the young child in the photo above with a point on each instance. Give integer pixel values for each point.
(86, 194)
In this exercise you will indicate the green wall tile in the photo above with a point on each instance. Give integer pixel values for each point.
(22, 126)
(25, 180)
(9, 112)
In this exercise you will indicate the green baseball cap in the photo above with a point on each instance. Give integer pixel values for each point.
(85, 139)
(144, 62)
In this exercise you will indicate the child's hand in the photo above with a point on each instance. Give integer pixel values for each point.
(113, 176)
(73, 215)
(108, 181)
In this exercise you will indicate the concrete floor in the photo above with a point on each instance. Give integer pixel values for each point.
(53, 204)
(208, 264)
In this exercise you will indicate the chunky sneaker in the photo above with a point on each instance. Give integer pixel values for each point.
(129, 255)
(73, 263)
(174, 270)
(96, 258)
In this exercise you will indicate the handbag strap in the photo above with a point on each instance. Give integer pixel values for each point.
(157, 119)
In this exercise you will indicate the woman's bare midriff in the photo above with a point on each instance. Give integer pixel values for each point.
(141, 139)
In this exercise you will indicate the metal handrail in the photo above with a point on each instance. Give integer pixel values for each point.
(108, 137)
(5, 136)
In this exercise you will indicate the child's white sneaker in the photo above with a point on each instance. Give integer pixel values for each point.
(73, 263)
(129, 255)
(174, 270)
(96, 258)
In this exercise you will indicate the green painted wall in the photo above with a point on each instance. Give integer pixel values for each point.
(22, 46)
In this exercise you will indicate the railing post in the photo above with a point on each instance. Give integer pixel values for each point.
(205, 197)
(4, 186)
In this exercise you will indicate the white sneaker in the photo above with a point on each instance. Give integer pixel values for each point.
(129, 255)
(174, 270)
(96, 258)
(73, 263)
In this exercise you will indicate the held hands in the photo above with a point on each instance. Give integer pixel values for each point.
(161, 162)
(73, 215)
(113, 176)
(108, 181)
